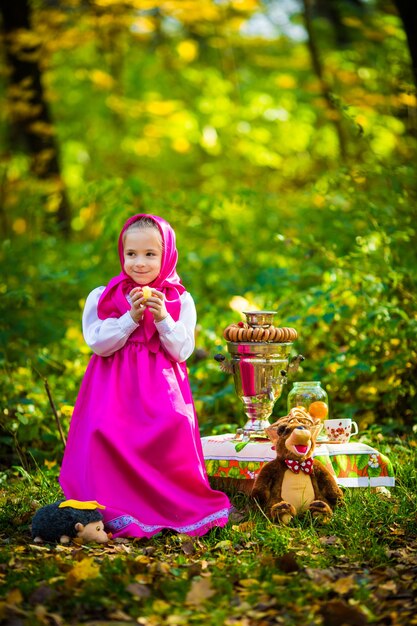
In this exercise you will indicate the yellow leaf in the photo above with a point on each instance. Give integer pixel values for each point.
(14, 597)
(67, 410)
(88, 505)
(221, 545)
(319, 200)
(162, 107)
(244, 527)
(280, 579)
(187, 50)
(143, 26)
(160, 606)
(19, 226)
(344, 584)
(245, 5)
(249, 582)
(3, 610)
(84, 570)
(143, 558)
(181, 145)
(101, 79)
(285, 81)
(42, 128)
(176, 620)
(408, 99)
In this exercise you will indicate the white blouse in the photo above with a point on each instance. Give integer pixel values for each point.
(104, 337)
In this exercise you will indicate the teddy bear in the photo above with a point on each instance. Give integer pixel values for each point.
(294, 482)
(69, 519)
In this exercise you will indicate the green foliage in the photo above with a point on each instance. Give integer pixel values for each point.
(342, 279)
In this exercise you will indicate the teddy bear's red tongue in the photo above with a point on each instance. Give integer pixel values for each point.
(301, 449)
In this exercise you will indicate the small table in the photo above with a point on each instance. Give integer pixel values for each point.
(353, 464)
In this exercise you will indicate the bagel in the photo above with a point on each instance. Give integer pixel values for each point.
(249, 334)
(234, 333)
(272, 333)
(257, 334)
(226, 331)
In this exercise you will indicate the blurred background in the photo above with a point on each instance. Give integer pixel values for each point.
(278, 137)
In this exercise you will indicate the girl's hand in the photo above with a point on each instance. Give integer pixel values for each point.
(138, 304)
(156, 304)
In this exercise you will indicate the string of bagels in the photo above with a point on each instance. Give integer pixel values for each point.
(245, 332)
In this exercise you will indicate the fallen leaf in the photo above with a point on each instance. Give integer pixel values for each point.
(389, 586)
(138, 590)
(38, 548)
(344, 584)
(160, 606)
(200, 591)
(332, 540)
(236, 516)
(320, 576)
(188, 547)
(223, 545)
(244, 527)
(143, 558)
(42, 594)
(83, 570)
(280, 579)
(287, 563)
(336, 612)
(249, 582)
(120, 616)
(176, 620)
(14, 597)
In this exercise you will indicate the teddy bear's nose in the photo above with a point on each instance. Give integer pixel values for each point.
(301, 434)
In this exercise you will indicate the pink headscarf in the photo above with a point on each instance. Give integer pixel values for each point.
(113, 301)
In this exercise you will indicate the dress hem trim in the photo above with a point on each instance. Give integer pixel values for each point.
(118, 524)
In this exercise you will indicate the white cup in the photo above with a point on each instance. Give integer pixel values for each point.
(341, 430)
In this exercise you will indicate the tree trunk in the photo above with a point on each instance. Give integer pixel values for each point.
(407, 10)
(30, 116)
(324, 86)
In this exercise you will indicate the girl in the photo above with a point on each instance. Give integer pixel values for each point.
(134, 444)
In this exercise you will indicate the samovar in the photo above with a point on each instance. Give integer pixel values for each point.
(260, 362)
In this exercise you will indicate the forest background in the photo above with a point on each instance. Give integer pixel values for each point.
(279, 139)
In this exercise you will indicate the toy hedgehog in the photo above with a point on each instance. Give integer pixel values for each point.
(69, 519)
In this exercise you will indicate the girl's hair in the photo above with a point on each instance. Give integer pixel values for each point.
(141, 224)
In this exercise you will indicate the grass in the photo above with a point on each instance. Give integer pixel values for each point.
(359, 568)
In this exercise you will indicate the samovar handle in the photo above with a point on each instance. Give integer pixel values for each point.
(294, 364)
(225, 365)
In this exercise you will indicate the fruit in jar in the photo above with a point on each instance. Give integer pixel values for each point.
(318, 409)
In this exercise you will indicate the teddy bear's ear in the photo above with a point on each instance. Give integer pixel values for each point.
(271, 432)
(316, 429)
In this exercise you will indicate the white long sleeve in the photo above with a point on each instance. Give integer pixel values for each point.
(104, 337)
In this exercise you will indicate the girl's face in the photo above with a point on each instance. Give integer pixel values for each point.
(142, 251)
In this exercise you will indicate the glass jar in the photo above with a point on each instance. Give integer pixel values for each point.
(311, 396)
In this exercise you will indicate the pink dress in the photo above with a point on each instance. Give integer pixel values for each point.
(134, 444)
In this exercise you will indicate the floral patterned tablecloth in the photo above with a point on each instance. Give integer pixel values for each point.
(353, 464)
